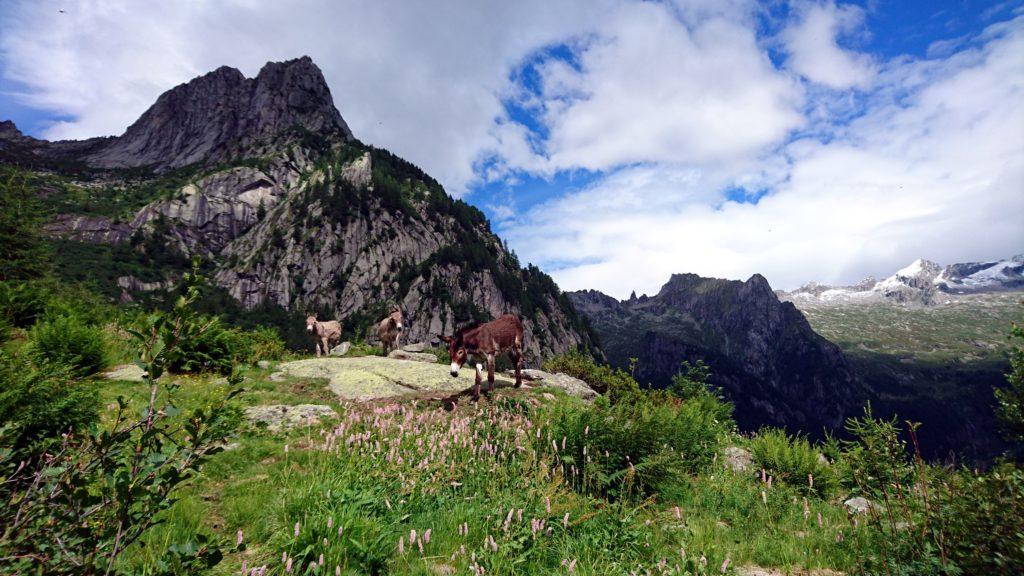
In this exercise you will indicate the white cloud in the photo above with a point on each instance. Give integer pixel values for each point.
(935, 173)
(652, 87)
(814, 51)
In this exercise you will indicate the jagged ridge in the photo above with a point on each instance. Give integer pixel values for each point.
(761, 351)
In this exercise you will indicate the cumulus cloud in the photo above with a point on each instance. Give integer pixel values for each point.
(655, 86)
(812, 43)
(935, 173)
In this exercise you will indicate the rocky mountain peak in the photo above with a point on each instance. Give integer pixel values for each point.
(223, 115)
(761, 351)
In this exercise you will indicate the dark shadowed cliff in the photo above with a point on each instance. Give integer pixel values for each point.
(761, 351)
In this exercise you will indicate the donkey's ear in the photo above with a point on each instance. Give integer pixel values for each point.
(447, 339)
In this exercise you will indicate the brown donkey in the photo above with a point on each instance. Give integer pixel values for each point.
(501, 336)
(324, 334)
(389, 330)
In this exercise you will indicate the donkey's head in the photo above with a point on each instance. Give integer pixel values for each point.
(457, 352)
(311, 324)
(396, 318)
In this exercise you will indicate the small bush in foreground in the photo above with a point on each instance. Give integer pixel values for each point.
(99, 491)
(70, 341)
(792, 459)
(631, 448)
(22, 303)
(617, 385)
(39, 403)
(208, 351)
(251, 346)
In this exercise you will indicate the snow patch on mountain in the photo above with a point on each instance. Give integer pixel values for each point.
(922, 282)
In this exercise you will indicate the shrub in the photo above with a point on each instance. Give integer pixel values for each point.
(984, 514)
(792, 460)
(251, 346)
(616, 384)
(22, 303)
(97, 494)
(209, 350)
(40, 402)
(630, 448)
(928, 519)
(364, 349)
(691, 383)
(70, 341)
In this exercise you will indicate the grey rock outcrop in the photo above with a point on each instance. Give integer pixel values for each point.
(280, 416)
(737, 459)
(858, 505)
(341, 349)
(223, 115)
(413, 356)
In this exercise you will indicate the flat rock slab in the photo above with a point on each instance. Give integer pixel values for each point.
(126, 372)
(403, 354)
(569, 384)
(280, 416)
(371, 377)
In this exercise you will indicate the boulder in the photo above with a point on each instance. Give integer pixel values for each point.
(858, 505)
(280, 416)
(127, 372)
(568, 384)
(341, 349)
(371, 377)
(531, 374)
(415, 347)
(737, 459)
(414, 356)
(263, 364)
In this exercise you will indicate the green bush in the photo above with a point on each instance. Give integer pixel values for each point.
(691, 383)
(631, 448)
(22, 303)
(69, 341)
(251, 346)
(40, 402)
(364, 349)
(98, 495)
(983, 517)
(208, 350)
(792, 460)
(616, 384)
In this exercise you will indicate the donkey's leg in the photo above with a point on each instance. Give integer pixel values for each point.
(476, 383)
(490, 372)
(517, 358)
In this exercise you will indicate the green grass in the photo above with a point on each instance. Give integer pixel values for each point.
(970, 329)
(437, 470)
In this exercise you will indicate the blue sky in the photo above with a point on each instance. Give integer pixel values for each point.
(615, 142)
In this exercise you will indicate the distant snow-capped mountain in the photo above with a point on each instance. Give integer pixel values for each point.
(922, 282)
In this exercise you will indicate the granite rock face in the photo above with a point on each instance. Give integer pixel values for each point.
(223, 114)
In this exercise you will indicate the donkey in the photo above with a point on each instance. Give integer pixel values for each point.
(501, 336)
(389, 330)
(326, 335)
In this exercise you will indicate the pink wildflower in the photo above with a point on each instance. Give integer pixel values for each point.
(238, 538)
(296, 529)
